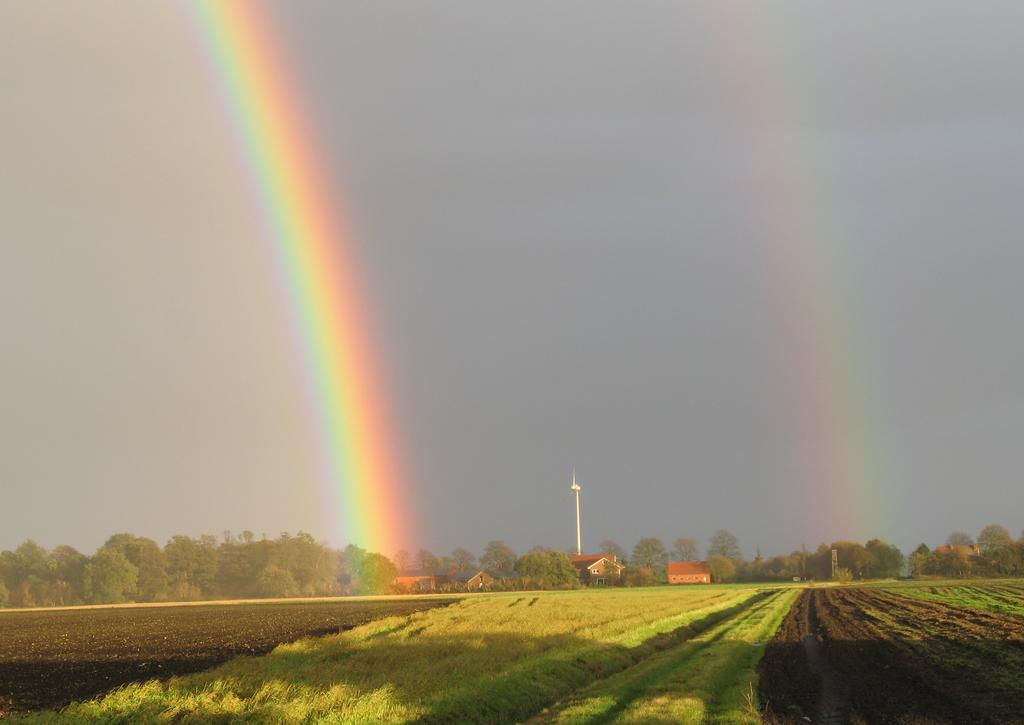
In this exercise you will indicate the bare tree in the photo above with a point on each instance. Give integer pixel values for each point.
(498, 557)
(463, 559)
(426, 560)
(609, 546)
(403, 560)
(724, 543)
(993, 538)
(649, 552)
(959, 538)
(685, 549)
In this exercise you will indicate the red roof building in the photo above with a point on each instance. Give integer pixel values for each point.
(688, 572)
(965, 549)
(423, 580)
(597, 568)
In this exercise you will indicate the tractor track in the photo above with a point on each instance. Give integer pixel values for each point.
(656, 663)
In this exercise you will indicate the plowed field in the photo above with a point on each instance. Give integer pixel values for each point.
(874, 656)
(48, 659)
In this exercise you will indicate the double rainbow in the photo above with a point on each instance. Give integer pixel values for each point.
(313, 253)
(840, 459)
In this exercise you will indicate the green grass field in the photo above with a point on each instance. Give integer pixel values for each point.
(492, 658)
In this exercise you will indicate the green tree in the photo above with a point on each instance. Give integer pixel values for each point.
(191, 566)
(724, 543)
(610, 546)
(109, 577)
(921, 563)
(463, 559)
(855, 557)
(498, 558)
(547, 568)
(69, 581)
(685, 549)
(649, 553)
(994, 538)
(312, 565)
(239, 564)
(639, 576)
(376, 574)
(819, 564)
(349, 561)
(273, 581)
(886, 560)
(3, 594)
(959, 538)
(147, 557)
(723, 569)
(29, 573)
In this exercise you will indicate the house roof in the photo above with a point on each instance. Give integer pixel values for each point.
(688, 568)
(585, 561)
(465, 576)
(958, 549)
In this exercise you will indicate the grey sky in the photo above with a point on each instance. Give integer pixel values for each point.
(565, 221)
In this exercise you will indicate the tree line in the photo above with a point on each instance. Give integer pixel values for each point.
(994, 553)
(129, 568)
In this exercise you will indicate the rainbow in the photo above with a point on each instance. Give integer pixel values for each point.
(314, 256)
(839, 458)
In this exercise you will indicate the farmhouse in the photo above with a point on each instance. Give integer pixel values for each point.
(688, 572)
(597, 568)
(965, 549)
(472, 580)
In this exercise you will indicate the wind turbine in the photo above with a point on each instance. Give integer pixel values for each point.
(575, 487)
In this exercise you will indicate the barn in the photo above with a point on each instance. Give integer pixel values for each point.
(423, 580)
(426, 580)
(688, 572)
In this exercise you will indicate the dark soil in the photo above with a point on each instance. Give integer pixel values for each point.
(873, 656)
(48, 659)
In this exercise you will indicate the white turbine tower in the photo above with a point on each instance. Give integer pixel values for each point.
(575, 487)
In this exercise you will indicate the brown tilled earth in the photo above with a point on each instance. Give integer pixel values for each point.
(873, 656)
(50, 658)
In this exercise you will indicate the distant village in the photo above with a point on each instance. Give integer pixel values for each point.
(993, 553)
(591, 569)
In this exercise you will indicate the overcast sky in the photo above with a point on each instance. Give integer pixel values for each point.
(575, 225)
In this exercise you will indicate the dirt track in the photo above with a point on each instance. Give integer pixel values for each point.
(872, 656)
(49, 658)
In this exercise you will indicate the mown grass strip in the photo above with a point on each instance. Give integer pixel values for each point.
(480, 660)
(710, 677)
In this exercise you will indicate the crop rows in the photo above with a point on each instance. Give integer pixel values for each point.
(49, 658)
(1007, 598)
(874, 655)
